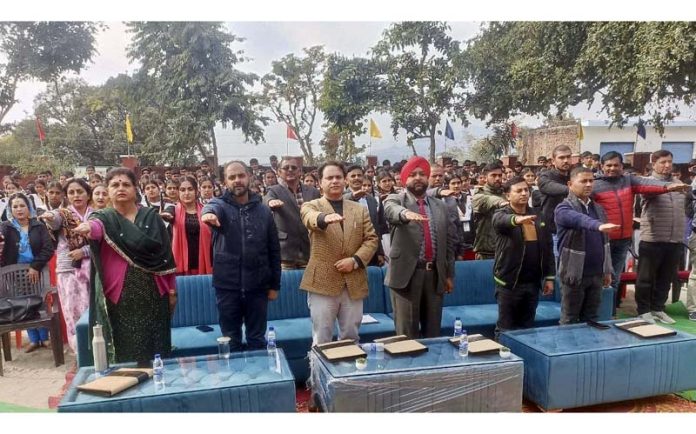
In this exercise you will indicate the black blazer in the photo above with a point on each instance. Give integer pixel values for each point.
(377, 220)
(39, 241)
(292, 233)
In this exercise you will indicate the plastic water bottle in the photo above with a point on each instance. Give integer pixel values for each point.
(457, 327)
(101, 362)
(158, 370)
(464, 345)
(373, 347)
(271, 339)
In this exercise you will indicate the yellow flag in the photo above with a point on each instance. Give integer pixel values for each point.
(374, 131)
(581, 134)
(129, 130)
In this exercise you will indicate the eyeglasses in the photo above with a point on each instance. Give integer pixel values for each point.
(289, 168)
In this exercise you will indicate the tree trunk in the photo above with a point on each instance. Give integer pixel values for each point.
(60, 98)
(432, 146)
(215, 150)
(410, 144)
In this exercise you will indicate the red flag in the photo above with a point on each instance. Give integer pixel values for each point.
(513, 130)
(39, 129)
(291, 133)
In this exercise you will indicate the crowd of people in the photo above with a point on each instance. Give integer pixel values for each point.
(116, 242)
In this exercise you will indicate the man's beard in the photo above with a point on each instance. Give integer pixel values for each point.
(417, 189)
(238, 193)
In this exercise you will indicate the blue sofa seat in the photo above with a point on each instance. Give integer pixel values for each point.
(288, 314)
(473, 301)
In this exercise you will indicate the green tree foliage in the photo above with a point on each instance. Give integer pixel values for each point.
(339, 145)
(22, 150)
(292, 91)
(542, 68)
(41, 51)
(349, 92)
(86, 124)
(420, 80)
(189, 80)
(495, 145)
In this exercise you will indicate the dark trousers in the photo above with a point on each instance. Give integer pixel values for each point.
(516, 307)
(581, 302)
(249, 308)
(657, 266)
(619, 251)
(418, 308)
(681, 265)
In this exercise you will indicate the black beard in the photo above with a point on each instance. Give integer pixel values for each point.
(236, 194)
(417, 190)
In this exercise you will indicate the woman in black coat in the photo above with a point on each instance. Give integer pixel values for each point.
(26, 241)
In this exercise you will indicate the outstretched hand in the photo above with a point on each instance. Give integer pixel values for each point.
(414, 216)
(608, 227)
(83, 229)
(275, 203)
(525, 219)
(210, 219)
(333, 218)
(677, 186)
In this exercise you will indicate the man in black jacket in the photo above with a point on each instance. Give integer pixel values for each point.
(355, 193)
(285, 200)
(246, 258)
(523, 258)
(553, 185)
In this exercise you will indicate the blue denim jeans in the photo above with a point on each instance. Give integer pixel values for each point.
(619, 251)
(37, 335)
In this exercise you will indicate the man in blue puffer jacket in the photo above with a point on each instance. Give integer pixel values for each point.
(246, 258)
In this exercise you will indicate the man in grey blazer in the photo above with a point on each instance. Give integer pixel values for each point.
(421, 260)
(285, 200)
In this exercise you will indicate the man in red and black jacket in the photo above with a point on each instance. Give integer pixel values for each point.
(615, 192)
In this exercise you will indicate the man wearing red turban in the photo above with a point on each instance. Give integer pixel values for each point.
(421, 260)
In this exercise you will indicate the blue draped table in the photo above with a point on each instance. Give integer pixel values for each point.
(577, 365)
(254, 381)
(439, 380)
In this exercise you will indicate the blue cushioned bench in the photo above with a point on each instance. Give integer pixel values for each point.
(577, 365)
(473, 300)
(288, 314)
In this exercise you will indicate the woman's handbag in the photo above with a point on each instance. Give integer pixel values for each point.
(18, 309)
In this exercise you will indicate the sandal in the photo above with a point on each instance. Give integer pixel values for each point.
(31, 348)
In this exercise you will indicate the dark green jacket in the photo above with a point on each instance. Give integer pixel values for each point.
(485, 203)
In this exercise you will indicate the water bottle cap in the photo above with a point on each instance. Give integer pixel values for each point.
(457, 319)
(157, 356)
(270, 328)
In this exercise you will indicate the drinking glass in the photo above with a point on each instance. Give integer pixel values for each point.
(223, 347)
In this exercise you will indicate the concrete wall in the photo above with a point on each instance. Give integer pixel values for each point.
(541, 141)
(595, 135)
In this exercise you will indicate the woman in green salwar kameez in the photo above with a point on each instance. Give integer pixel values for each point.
(133, 290)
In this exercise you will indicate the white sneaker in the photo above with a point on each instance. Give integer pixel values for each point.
(647, 317)
(663, 317)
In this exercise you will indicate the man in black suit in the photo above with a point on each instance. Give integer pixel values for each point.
(421, 260)
(285, 200)
(354, 181)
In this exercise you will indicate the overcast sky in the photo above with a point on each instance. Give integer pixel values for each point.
(264, 42)
(270, 40)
